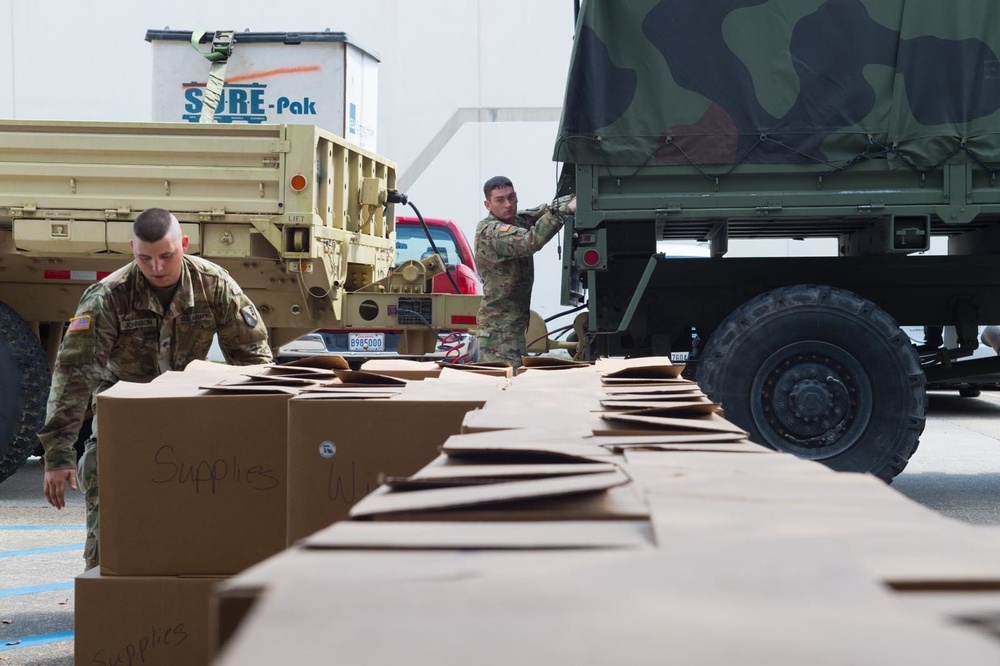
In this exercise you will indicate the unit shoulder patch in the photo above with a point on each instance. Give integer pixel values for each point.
(249, 314)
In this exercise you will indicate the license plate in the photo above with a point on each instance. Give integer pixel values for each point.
(366, 342)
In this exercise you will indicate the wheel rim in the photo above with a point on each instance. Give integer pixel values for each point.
(811, 399)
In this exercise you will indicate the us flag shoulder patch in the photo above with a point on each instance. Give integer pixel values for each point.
(504, 227)
(81, 323)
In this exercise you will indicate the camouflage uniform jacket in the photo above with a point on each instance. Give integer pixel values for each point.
(504, 257)
(122, 333)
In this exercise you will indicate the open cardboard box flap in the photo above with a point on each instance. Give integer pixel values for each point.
(497, 535)
(494, 368)
(321, 362)
(514, 449)
(658, 371)
(436, 476)
(384, 501)
(617, 503)
(626, 442)
(630, 401)
(344, 393)
(653, 419)
(551, 363)
(668, 407)
(360, 377)
(669, 388)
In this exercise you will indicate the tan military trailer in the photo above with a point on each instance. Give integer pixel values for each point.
(303, 220)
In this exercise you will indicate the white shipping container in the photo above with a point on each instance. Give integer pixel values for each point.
(312, 78)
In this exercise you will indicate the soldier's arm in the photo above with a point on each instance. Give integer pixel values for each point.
(510, 241)
(242, 334)
(84, 352)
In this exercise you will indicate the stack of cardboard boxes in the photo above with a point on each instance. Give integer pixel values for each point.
(207, 472)
(665, 536)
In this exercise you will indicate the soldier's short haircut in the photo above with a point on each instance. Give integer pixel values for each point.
(495, 183)
(153, 224)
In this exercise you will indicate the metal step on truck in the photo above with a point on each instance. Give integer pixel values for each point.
(875, 123)
(303, 220)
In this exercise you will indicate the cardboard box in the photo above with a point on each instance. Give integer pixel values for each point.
(697, 602)
(403, 368)
(338, 448)
(604, 496)
(154, 621)
(192, 483)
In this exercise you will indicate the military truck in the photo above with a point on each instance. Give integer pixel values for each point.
(301, 218)
(875, 123)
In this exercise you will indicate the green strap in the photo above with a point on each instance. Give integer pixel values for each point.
(222, 48)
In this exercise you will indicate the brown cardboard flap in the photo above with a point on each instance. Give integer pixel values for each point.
(551, 363)
(367, 378)
(493, 368)
(331, 393)
(324, 362)
(658, 371)
(213, 367)
(663, 388)
(626, 442)
(296, 371)
(250, 388)
(265, 380)
(572, 420)
(545, 535)
(674, 407)
(642, 401)
(712, 423)
(699, 603)
(403, 368)
(441, 476)
(618, 503)
(385, 501)
(516, 450)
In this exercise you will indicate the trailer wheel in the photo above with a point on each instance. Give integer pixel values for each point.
(24, 390)
(821, 373)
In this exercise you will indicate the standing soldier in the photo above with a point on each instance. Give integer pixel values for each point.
(505, 243)
(156, 314)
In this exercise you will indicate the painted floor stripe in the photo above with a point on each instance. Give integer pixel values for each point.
(39, 528)
(41, 551)
(41, 639)
(17, 591)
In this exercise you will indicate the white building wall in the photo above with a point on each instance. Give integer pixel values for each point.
(442, 61)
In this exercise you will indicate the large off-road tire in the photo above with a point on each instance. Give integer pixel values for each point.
(820, 373)
(24, 390)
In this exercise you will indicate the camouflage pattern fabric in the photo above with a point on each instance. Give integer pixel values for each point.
(87, 475)
(504, 256)
(121, 332)
(752, 82)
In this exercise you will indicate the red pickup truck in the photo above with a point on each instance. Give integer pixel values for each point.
(358, 345)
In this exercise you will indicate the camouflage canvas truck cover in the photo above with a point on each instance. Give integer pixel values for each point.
(301, 218)
(875, 123)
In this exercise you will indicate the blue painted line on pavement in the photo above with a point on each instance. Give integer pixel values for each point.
(17, 591)
(41, 551)
(32, 641)
(40, 528)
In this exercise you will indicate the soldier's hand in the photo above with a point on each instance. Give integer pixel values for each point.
(572, 205)
(55, 485)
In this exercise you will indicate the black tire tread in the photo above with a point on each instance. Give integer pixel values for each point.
(20, 342)
(722, 343)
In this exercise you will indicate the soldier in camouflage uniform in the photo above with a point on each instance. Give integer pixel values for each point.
(158, 313)
(505, 243)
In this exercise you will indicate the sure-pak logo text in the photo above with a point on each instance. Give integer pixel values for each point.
(244, 103)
